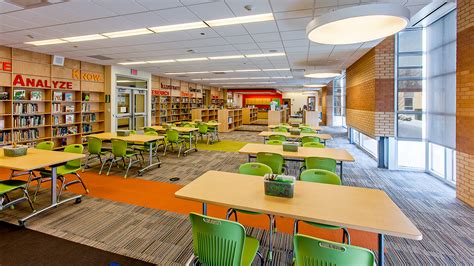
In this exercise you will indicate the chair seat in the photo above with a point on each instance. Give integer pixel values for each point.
(129, 154)
(251, 246)
(187, 137)
(10, 185)
(61, 170)
(326, 226)
(248, 212)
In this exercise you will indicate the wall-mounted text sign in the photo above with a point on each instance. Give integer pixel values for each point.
(6, 66)
(87, 76)
(186, 94)
(215, 97)
(160, 92)
(20, 81)
(169, 87)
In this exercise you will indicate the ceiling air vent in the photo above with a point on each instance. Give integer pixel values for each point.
(219, 73)
(34, 3)
(100, 57)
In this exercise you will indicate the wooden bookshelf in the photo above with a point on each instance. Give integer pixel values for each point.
(205, 115)
(170, 109)
(230, 119)
(249, 115)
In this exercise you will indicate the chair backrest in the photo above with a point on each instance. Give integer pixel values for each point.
(277, 137)
(314, 251)
(45, 145)
(313, 145)
(119, 147)
(94, 145)
(151, 133)
(203, 129)
(320, 163)
(213, 121)
(187, 124)
(274, 160)
(172, 135)
(280, 129)
(307, 139)
(320, 176)
(275, 142)
(253, 168)
(217, 241)
(307, 130)
(133, 132)
(74, 148)
(148, 129)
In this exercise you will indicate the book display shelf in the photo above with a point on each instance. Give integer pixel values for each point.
(230, 119)
(205, 115)
(249, 115)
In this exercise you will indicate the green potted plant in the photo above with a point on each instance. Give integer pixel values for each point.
(15, 150)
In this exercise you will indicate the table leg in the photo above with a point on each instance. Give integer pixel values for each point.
(340, 173)
(191, 134)
(264, 140)
(54, 197)
(250, 158)
(204, 208)
(381, 249)
(150, 161)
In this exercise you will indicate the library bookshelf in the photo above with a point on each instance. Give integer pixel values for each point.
(230, 119)
(249, 115)
(170, 109)
(205, 115)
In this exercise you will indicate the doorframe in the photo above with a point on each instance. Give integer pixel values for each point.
(289, 104)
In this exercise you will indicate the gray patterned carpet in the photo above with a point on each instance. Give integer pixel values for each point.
(164, 238)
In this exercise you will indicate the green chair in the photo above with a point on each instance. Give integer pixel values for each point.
(172, 137)
(133, 132)
(186, 124)
(70, 168)
(7, 186)
(277, 137)
(145, 148)
(257, 169)
(222, 242)
(148, 129)
(95, 150)
(121, 153)
(214, 130)
(274, 160)
(313, 145)
(307, 130)
(204, 131)
(274, 142)
(280, 129)
(307, 139)
(314, 251)
(325, 177)
(319, 163)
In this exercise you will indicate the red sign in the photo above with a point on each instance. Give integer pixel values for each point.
(133, 72)
(186, 94)
(41, 83)
(169, 87)
(6, 66)
(160, 92)
(215, 97)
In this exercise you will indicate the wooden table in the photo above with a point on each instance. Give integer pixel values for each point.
(183, 130)
(266, 134)
(363, 209)
(209, 124)
(340, 155)
(290, 127)
(36, 159)
(138, 139)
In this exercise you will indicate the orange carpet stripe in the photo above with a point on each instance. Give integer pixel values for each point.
(160, 195)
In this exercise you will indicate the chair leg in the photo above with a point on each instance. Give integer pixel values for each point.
(82, 182)
(103, 164)
(345, 234)
(166, 147)
(40, 180)
(85, 164)
(110, 166)
(25, 192)
(63, 186)
(179, 151)
(128, 167)
(270, 236)
(295, 227)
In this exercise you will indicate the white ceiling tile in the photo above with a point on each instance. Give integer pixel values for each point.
(285, 5)
(294, 14)
(121, 6)
(261, 27)
(257, 6)
(239, 39)
(210, 11)
(293, 24)
(266, 37)
(161, 4)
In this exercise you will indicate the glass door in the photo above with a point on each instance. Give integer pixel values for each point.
(124, 111)
(139, 109)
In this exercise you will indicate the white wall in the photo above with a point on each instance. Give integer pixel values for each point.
(298, 100)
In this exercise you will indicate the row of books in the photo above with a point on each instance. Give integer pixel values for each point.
(68, 119)
(25, 108)
(64, 131)
(86, 107)
(28, 121)
(20, 95)
(25, 135)
(87, 128)
(89, 118)
(58, 96)
(58, 108)
(5, 137)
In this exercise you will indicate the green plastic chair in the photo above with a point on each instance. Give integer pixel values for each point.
(280, 129)
(307, 130)
(257, 169)
(95, 150)
(121, 153)
(222, 242)
(277, 137)
(186, 124)
(146, 146)
(7, 186)
(70, 168)
(319, 163)
(45, 145)
(204, 131)
(133, 132)
(172, 137)
(314, 251)
(307, 139)
(214, 130)
(325, 177)
(313, 145)
(148, 129)
(274, 160)
(275, 142)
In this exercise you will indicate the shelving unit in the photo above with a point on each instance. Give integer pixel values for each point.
(249, 115)
(170, 109)
(230, 119)
(217, 103)
(204, 115)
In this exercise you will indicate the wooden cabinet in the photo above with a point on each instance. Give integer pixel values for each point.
(204, 115)
(249, 115)
(230, 119)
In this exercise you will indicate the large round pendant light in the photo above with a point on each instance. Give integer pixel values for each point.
(358, 24)
(321, 74)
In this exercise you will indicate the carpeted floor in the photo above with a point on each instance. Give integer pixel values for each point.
(223, 145)
(135, 223)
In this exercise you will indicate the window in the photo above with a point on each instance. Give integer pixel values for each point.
(339, 98)
(365, 142)
(408, 104)
(442, 162)
(411, 154)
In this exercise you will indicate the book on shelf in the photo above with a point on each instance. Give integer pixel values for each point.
(5, 137)
(68, 97)
(56, 108)
(86, 97)
(25, 108)
(57, 96)
(28, 121)
(69, 119)
(4, 95)
(56, 120)
(69, 108)
(36, 96)
(25, 135)
(86, 107)
(19, 95)
(87, 128)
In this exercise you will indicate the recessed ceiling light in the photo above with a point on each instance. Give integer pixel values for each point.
(175, 73)
(284, 77)
(83, 38)
(47, 42)
(248, 70)
(192, 59)
(321, 74)
(161, 61)
(358, 24)
(179, 27)
(264, 55)
(240, 20)
(127, 33)
(314, 85)
(132, 63)
(197, 72)
(226, 57)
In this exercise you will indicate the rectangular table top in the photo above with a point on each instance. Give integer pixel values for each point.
(135, 138)
(290, 127)
(211, 124)
(179, 129)
(303, 152)
(364, 209)
(301, 135)
(36, 159)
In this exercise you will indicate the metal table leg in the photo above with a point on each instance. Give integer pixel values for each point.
(150, 161)
(381, 250)
(191, 134)
(54, 197)
(204, 208)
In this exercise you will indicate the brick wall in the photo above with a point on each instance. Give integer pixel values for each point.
(465, 102)
(370, 91)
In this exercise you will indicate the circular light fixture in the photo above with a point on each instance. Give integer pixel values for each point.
(314, 85)
(321, 74)
(358, 24)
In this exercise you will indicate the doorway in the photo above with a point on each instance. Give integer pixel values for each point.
(131, 109)
(287, 102)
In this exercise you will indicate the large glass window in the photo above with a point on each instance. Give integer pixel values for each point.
(367, 143)
(339, 99)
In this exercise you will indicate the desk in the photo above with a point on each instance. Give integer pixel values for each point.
(266, 134)
(36, 159)
(340, 155)
(315, 128)
(183, 130)
(135, 138)
(209, 124)
(363, 209)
